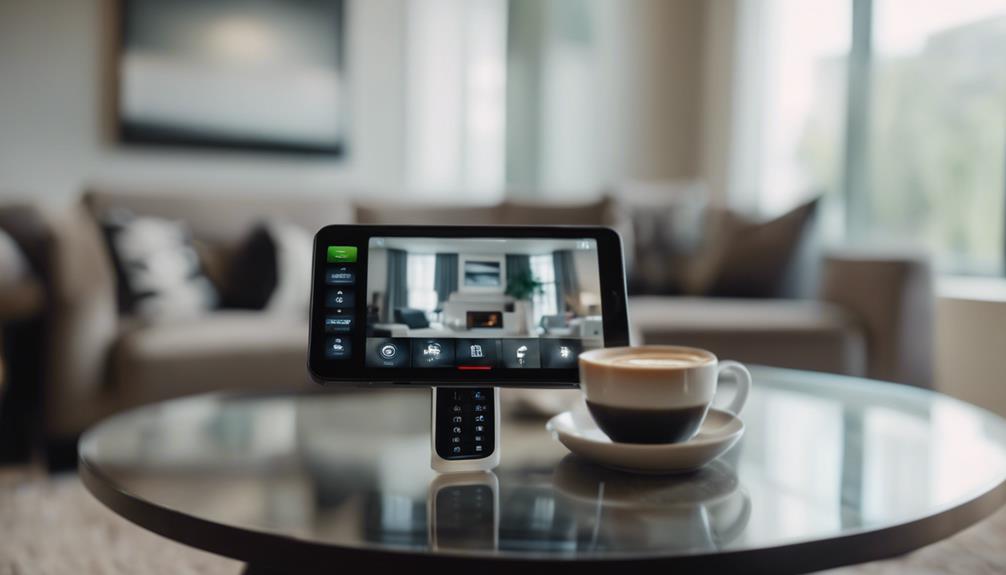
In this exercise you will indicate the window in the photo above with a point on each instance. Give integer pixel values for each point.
(806, 47)
(896, 108)
(419, 279)
(543, 268)
(936, 136)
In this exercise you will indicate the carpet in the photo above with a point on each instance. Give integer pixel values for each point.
(51, 525)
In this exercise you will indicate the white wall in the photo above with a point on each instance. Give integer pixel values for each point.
(720, 47)
(54, 118)
(603, 91)
(654, 85)
(644, 99)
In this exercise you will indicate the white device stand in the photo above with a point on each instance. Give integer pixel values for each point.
(466, 463)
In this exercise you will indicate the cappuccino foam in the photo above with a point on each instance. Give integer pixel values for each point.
(657, 360)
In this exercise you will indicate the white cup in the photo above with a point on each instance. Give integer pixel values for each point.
(655, 393)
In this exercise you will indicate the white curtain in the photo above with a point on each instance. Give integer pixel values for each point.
(455, 97)
(781, 63)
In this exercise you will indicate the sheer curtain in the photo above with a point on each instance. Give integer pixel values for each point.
(786, 104)
(422, 281)
(455, 102)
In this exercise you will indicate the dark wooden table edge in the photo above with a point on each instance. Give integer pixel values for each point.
(282, 553)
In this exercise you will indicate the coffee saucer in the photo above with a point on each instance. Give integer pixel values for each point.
(577, 431)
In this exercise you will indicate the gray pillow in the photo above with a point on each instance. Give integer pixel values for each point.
(750, 259)
(666, 220)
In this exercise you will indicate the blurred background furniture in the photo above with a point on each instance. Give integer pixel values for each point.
(865, 315)
(22, 307)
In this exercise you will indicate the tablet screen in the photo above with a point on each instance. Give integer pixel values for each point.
(463, 304)
(479, 304)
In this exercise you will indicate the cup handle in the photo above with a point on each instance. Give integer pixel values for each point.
(743, 377)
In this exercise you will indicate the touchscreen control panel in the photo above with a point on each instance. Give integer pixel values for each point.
(340, 296)
(445, 304)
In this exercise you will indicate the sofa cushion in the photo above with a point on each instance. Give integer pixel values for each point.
(745, 258)
(157, 268)
(666, 219)
(226, 349)
(222, 218)
(800, 334)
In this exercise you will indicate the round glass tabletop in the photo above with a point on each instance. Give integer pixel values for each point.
(831, 470)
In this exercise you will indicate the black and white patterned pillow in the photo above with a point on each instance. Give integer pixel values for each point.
(157, 267)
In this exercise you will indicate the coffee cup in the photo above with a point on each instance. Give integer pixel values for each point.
(655, 393)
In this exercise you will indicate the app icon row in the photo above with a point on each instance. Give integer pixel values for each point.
(473, 354)
(340, 299)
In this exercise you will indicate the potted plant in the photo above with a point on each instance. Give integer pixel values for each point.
(522, 286)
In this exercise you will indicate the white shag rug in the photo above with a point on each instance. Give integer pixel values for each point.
(51, 525)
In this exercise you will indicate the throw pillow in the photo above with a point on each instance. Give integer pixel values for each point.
(750, 259)
(413, 318)
(272, 270)
(252, 273)
(294, 250)
(14, 267)
(666, 230)
(158, 272)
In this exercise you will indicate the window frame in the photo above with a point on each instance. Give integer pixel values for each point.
(856, 161)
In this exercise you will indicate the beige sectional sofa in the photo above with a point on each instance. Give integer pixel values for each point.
(872, 316)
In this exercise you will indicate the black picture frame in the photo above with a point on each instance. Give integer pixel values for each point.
(130, 131)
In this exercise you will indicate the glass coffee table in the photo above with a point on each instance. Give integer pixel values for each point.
(831, 471)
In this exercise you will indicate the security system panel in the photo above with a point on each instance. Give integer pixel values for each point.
(482, 306)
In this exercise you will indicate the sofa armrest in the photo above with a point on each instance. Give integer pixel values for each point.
(26, 224)
(21, 293)
(892, 297)
(82, 321)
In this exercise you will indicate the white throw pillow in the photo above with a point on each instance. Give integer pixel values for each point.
(294, 246)
(158, 270)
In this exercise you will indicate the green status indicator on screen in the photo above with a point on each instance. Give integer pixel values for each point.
(341, 254)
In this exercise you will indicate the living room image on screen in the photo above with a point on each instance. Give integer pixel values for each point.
(482, 303)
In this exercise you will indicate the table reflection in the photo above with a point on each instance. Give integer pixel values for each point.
(821, 457)
(582, 507)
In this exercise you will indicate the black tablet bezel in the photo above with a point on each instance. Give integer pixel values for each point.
(615, 323)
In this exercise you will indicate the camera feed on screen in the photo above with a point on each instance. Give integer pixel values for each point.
(482, 303)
